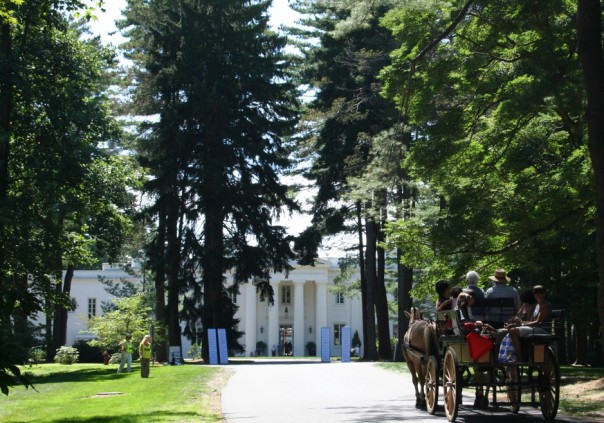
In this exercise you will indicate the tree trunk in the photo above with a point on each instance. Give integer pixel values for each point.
(361, 250)
(589, 43)
(580, 345)
(370, 266)
(62, 338)
(173, 270)
(50, 346)
(21, 329)
(212, 271)
(6, 102)
(381, 300)
(158, 259)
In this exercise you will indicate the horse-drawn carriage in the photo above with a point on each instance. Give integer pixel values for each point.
(450, 355)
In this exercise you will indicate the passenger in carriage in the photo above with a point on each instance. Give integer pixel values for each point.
(472, 279)
(501, 289)
(465, 301)
(538, 322)
(444, 302)
(526, 309)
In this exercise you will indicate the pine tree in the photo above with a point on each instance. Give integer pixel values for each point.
(350, 121)
(215, 75)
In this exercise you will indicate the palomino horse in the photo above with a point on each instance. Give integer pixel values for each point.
(419, 343)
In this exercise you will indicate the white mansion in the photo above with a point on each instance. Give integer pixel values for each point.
(303, 305)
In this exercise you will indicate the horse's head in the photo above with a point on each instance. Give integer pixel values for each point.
(413, 315)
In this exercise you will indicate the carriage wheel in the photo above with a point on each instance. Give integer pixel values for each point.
(451, 385)
(549, 386)
(512, 376)
(432, 385)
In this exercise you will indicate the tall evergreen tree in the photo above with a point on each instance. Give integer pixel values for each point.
(591, 55)
(217, 78)
(351, 120)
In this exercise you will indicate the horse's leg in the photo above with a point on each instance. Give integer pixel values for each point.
(421, 370)
(412, 369)
(482, 399)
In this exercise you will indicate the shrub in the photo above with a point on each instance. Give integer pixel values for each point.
(260, 347)
(116, 358)
(356, 340)
(88, 353)
(66, 355)
(37, 355)
(311, 347)
(195, 351)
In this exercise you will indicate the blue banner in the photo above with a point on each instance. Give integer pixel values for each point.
(212, 346)
(223, 349)
(346, 344)
(325, 345)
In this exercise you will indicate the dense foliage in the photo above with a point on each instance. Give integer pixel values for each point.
(492, 140)
(63, 197)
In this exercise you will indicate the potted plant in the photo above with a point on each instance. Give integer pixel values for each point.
(311, 347)
(356, 344)
(260, 347)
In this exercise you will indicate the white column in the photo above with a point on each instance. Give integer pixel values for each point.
(299, 319)
(320, 312)
(250, 318)
(273, 320)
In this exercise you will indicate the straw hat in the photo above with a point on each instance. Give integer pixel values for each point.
(499, 276)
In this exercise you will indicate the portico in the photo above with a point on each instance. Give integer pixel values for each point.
(302, 305)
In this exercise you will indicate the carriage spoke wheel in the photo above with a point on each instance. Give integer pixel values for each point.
(549, 386)
(512, 374)
(451, 385)
(432, 384)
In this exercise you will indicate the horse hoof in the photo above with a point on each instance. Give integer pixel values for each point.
(481, 402)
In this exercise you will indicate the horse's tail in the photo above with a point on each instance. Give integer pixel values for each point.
(431, 342)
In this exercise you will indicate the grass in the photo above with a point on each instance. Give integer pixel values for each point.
(581, 391)
(189, 393)
(70, 393)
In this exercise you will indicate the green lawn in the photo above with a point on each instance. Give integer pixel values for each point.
(186, 393)
(70, 393)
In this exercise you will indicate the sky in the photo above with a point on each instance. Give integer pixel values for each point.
(105, 23)
(281, 14)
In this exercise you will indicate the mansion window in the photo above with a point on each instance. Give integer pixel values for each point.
(339, 298)
(286, 294)
(337, 333)
(91, 307)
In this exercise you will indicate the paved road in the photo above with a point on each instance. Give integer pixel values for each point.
(313, 392)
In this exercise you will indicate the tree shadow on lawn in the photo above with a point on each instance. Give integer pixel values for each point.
(81, 375)
(139, 418)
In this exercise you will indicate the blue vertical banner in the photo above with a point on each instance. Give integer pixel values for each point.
(212, 346)
(325, 345)
(223, 349)
(346, 344)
